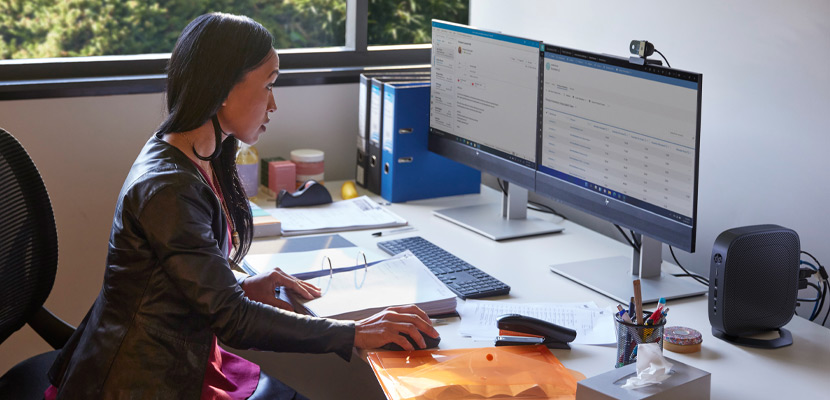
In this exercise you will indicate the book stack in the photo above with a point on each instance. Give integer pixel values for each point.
(264, 224)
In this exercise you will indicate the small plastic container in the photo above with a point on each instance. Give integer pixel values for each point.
(310, 165)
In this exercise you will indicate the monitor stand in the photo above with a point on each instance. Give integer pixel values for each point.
(509, 222)
(613, 276)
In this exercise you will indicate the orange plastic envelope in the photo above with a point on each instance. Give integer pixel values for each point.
(524, 372)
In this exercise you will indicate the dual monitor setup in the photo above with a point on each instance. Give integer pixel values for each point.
(611, 137)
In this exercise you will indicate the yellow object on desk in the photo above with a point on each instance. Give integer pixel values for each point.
(348, 191)
(528, 372)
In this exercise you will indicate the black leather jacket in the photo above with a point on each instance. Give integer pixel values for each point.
(167, 289)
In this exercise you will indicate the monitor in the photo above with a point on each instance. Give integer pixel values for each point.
(619, 140)
(483, 113)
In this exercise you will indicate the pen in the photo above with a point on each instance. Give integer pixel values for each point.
(393, 231)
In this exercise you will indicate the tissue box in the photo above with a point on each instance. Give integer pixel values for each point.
(686, 382)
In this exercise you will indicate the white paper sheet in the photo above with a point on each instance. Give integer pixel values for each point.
(358, 213)
(402, 279)
(593, 325)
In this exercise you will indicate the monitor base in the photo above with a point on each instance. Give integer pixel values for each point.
(612, 277)
(487, 220)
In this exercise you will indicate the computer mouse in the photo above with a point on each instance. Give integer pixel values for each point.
(310, 193)
(429, 340)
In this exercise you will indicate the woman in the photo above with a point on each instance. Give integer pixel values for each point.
(168, 290)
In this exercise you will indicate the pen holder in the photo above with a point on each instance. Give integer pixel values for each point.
(630, 335)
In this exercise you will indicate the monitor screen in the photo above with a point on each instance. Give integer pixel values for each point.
(620, 140)
(484, 100)
(484, 104)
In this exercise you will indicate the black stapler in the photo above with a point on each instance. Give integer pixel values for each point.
(310, 193)
(544, 332)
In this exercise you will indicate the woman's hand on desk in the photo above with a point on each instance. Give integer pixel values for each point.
(387, 325)
(261, 288)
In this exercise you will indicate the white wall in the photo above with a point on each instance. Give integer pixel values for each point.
(85, 146)
(766, 97)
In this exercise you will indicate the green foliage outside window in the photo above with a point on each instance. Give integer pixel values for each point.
(72, 28)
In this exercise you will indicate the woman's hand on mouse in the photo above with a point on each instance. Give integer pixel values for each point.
(386, 326)
(261, 288)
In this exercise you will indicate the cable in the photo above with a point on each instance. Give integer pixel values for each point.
(811, 256)
(696, 277)
(828, 308)
(636, 245)
(634, 238)
(551, 210)
(664, 57)
(503, 190)
(820, 305)
(622, 232)
(822, 279)
(802, 262)
(818, 295)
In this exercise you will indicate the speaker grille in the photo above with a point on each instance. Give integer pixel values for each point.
(761, 274)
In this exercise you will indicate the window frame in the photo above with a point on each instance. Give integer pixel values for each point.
(145, 73)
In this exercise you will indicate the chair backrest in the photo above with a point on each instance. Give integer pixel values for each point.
(28, 237)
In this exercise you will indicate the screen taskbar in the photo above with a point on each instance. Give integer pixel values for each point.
(487, 149)
(666, 213)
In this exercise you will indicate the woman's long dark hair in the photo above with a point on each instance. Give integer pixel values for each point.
(213, 53)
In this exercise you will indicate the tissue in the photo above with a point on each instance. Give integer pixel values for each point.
(652, 367)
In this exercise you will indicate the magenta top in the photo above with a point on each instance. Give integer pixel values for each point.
(227, 376)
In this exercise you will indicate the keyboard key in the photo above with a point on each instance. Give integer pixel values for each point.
(465, 280)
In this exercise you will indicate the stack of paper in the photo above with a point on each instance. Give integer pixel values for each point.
(358, 213)
(361, 293)
(264, 224)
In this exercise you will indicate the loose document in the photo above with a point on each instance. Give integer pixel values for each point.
(592, 324)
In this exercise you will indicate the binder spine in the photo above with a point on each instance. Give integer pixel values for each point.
(373, 169)
(362, 124)
(410, 170)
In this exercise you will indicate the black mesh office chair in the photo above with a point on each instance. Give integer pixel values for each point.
(28, 263)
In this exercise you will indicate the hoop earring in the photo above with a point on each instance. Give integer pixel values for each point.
(217, 134)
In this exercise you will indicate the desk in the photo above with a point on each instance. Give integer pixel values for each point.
(737, 372)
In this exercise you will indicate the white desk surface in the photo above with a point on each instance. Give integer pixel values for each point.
(737, 372)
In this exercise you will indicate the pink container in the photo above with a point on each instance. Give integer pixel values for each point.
(282, 175)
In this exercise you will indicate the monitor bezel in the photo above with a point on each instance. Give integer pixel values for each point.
(516, 170)
(640, 220)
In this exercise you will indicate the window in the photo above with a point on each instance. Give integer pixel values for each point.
(410, 21)
(87, 48)
(72, 28)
